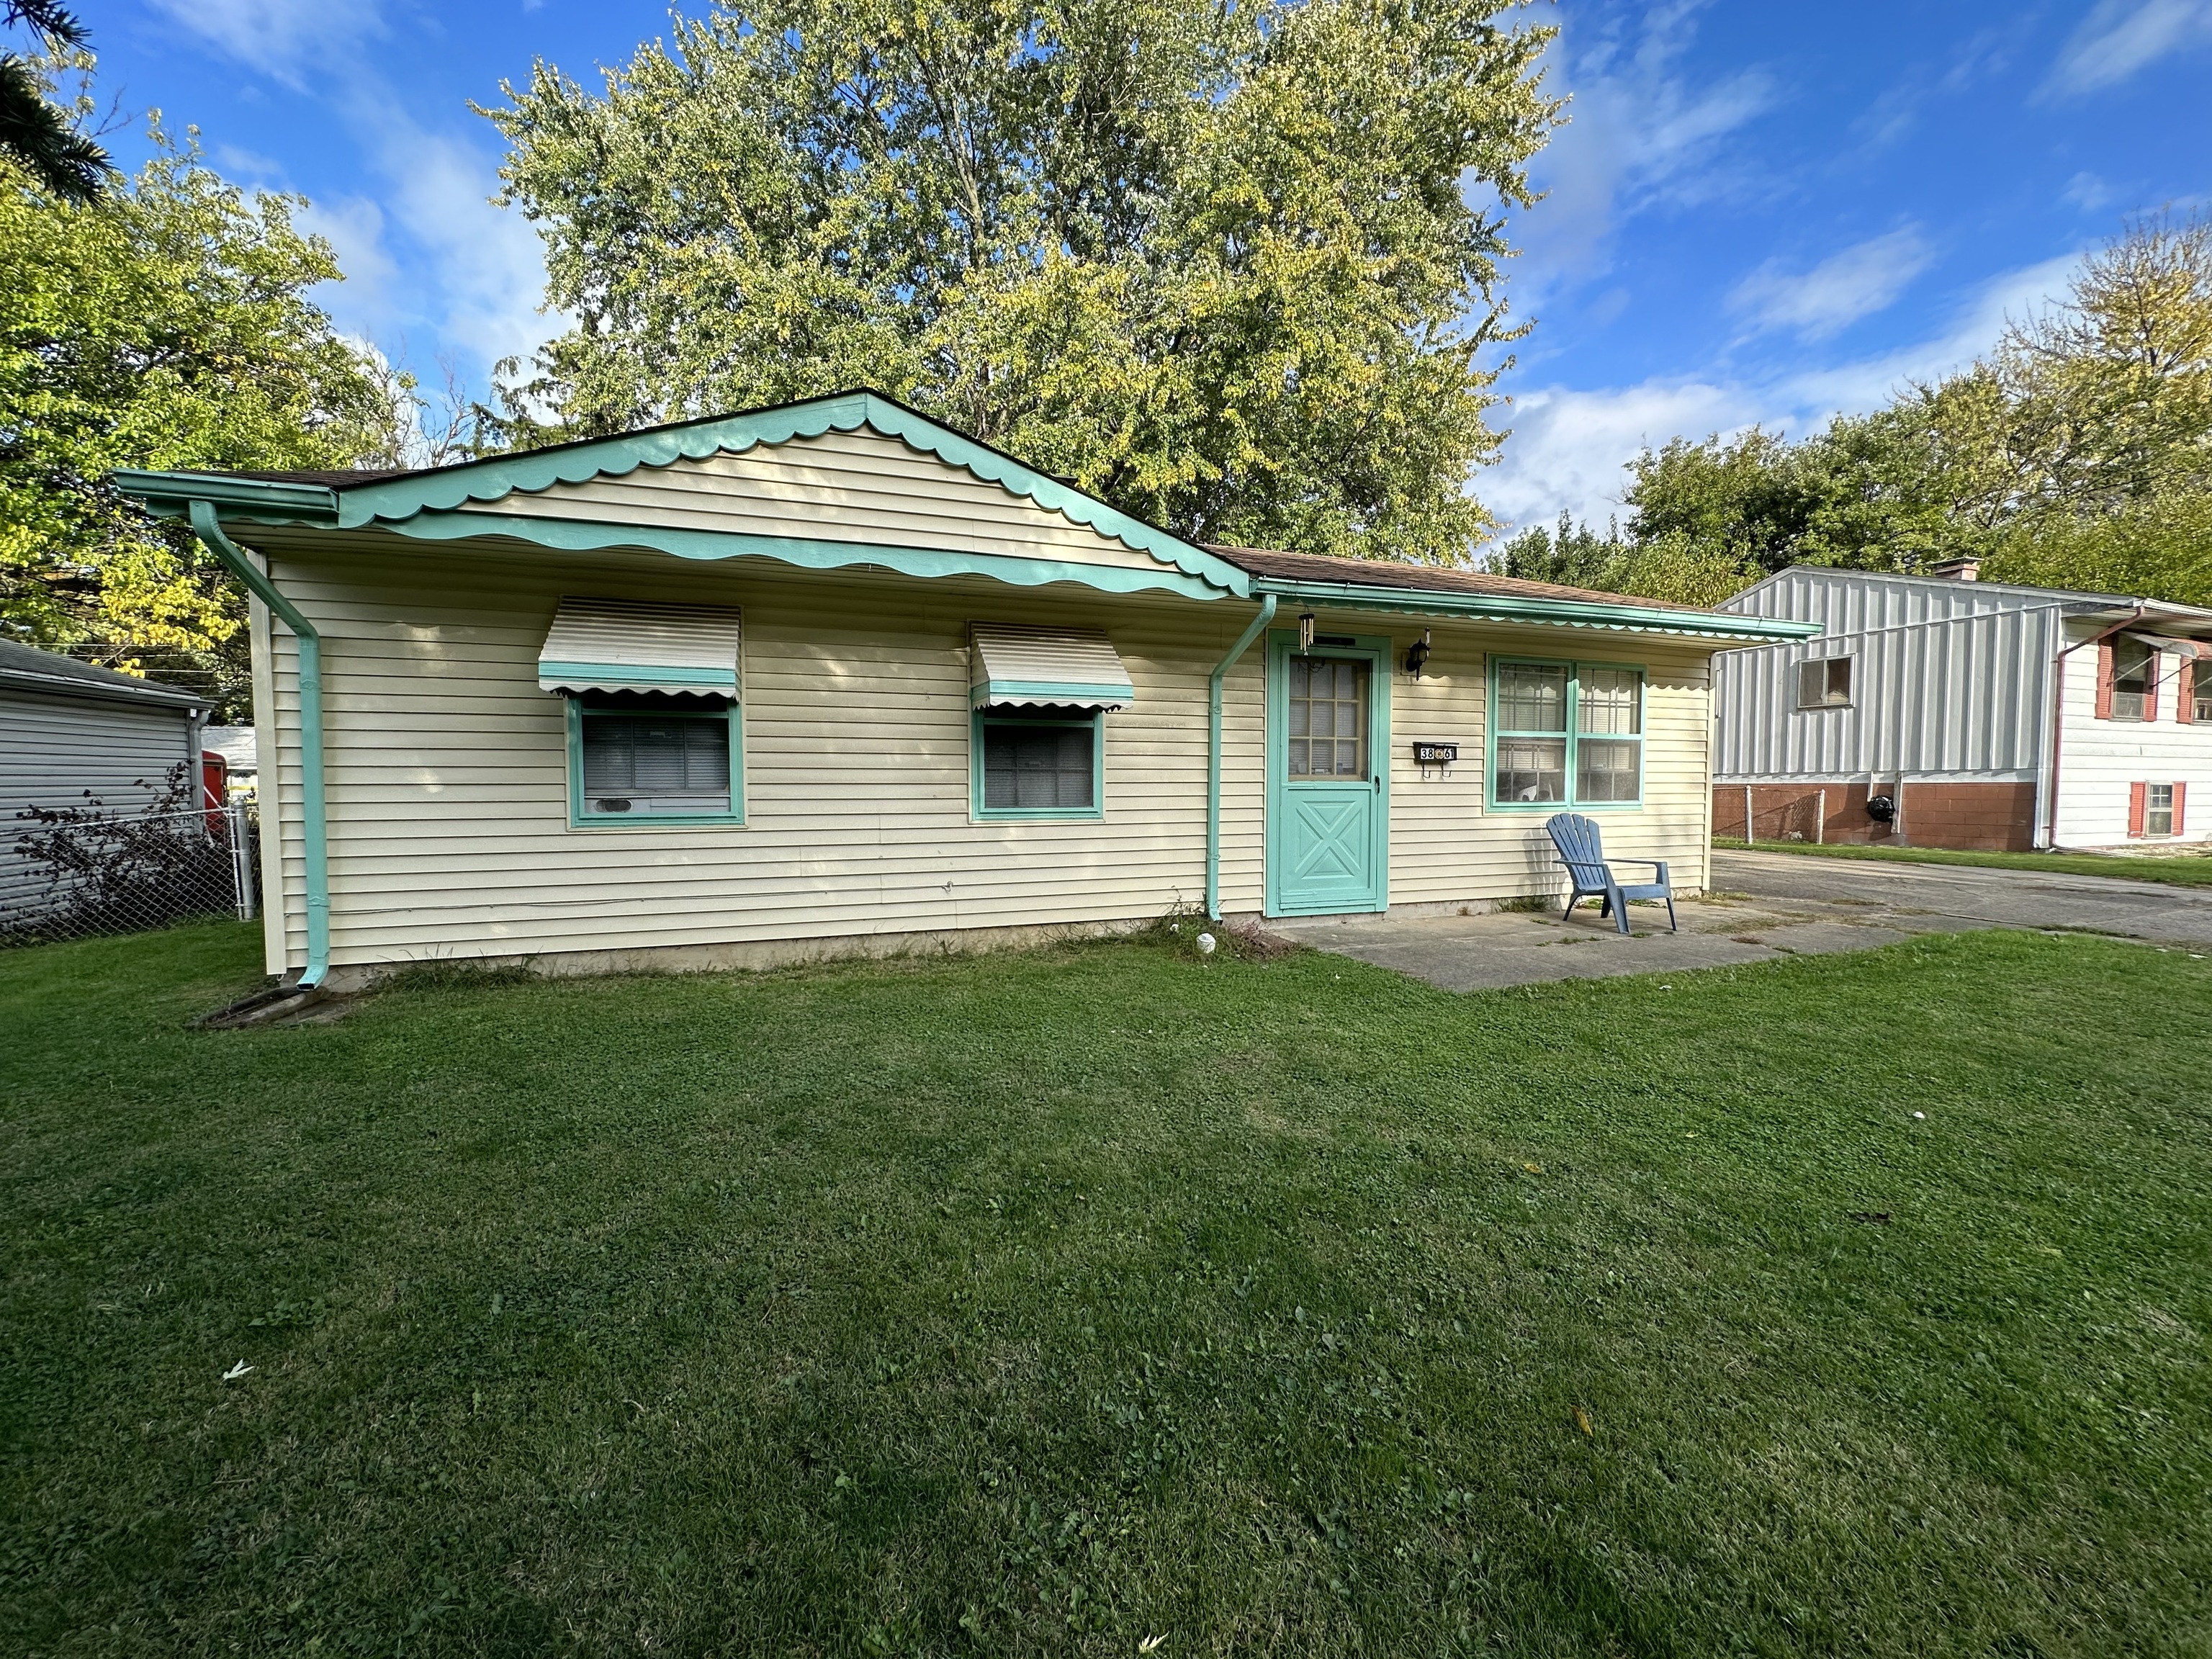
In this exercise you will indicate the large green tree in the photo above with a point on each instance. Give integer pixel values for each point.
(1228, 265)
(164, 324)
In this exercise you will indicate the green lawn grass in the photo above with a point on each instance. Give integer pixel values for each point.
(1051, 1302)
(2175, 869)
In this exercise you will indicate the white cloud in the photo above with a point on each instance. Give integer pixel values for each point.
(2120, 37)
(431, 253)
(1570, 447)
(354, 226)
(1639, 133)
(488, 263)
(284, 39)
(1838, 291)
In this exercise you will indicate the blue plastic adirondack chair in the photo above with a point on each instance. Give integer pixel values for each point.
(1583, 854)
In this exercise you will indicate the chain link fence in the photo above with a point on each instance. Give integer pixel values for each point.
(75, 872)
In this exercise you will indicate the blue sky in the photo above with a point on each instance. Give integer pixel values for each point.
(1759, 211)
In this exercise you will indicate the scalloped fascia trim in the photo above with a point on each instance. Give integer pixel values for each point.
(397, 500)
(590, 536)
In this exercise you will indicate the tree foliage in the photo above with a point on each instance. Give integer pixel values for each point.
(36, 134)
(164, 325)
(2076, 454)
(1219, 264)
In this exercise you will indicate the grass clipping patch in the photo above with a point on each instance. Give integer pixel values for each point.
(1185, 930)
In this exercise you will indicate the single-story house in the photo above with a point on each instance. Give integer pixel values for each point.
(1944, 711)
(73, 730)
(832, 677)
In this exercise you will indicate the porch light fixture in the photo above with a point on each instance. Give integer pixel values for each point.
(1417, 654)
(1305, 632)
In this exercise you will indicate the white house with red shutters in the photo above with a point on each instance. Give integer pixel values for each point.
(1944, 711)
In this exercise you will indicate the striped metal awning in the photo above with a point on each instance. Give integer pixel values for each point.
(640, 645)
(1013, 667)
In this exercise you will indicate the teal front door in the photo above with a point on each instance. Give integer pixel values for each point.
(1328, 775)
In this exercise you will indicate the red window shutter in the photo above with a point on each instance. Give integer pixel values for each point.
(2184, 701)
(2136, 793)
(2180, 794)
(2104, 679)
(2150, 688)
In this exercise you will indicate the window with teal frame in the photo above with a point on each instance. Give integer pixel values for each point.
(1039, 762)
(1564, 734)
(639, 758)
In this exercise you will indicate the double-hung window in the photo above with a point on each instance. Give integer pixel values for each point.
(655, 728)
(1565, 734)
(2134, 669)
(641, 756)
(1038, 699)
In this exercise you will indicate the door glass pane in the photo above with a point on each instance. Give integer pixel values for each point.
(1532, 697)
(1327, 718)
(1038, 768)
(1612, 702)
(1532, 769)
(1605, 769)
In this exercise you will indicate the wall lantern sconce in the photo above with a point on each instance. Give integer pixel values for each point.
(1305, 632)
(1417, 655)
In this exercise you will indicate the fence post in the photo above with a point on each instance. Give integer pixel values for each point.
(242, 860)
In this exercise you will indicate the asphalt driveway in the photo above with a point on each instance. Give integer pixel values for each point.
(1763, 905)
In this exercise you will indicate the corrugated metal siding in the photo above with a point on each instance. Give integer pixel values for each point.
(447, 786)
(57, 748)
(1952, 680)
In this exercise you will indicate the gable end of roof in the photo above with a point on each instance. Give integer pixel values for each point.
(395, 499)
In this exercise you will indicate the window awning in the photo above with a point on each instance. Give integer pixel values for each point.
(1013, 667)
(640, 645)
(2186, 649)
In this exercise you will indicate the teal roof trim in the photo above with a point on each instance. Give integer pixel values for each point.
(1626, 617)
(592, 536)
(266, 501)
(394, 501)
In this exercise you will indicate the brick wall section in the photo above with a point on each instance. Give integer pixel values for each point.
(1990, 818)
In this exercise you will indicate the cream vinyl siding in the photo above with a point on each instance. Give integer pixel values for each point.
(447, 766)
(2098, 759)
(1444, 847)
(843, 486)
(447, 780)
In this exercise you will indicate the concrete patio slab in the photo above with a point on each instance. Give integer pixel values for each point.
(1764, 906)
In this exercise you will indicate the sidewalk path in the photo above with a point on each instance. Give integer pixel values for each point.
(1764, 906)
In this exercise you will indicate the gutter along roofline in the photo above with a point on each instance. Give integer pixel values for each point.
(1626, 616)
(314, 826)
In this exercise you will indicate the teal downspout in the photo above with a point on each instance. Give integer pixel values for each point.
(314, 841)
(1214, 753)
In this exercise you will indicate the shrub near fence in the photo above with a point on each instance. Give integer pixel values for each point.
(88, 869)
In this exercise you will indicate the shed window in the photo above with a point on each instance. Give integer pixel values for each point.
(1037, 762)
(641, 756)
(2133, 667)
(1824, 683)
(1568, 733)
